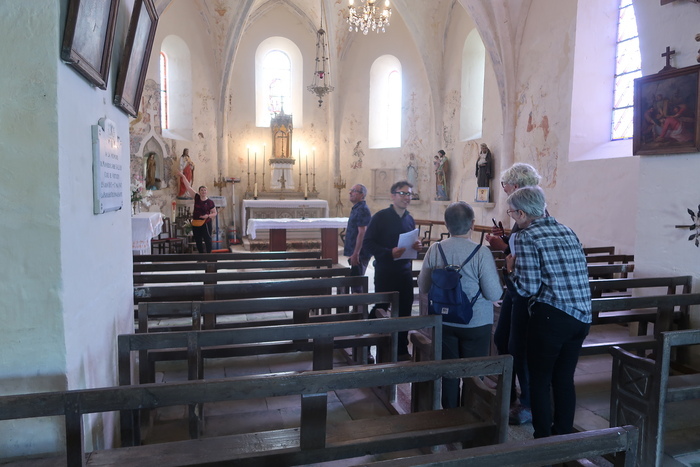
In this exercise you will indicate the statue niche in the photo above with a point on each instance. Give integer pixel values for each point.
(282, 127)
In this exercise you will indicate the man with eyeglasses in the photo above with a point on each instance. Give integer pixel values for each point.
(381, 240)
(355, 232)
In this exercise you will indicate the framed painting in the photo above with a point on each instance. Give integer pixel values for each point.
(134, 62)
(666, 112)
(88, 38)
(482, 195)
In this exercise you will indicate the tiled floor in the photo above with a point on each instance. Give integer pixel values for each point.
(592, 384)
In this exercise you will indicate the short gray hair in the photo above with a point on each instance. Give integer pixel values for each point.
(363, 189)
(530, 200)
(521, 175)
(459, 217)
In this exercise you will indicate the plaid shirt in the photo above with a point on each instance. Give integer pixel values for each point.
(550, 267)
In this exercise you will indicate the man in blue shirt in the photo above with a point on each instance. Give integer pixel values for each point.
(549, 267)
(355, 232)
(381, 240)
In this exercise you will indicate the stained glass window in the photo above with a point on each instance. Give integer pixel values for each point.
(627, 69)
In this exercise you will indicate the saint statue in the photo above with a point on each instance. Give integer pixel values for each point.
(151, 172)
(187, 168)
(442, 177)
(484, 167)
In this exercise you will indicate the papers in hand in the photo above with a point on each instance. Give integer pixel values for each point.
(406, 240)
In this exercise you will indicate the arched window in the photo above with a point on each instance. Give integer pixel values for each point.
(385, 99)
(473, 71)
(278, 82)
(176, 88)
(164, 91)
(628, 67)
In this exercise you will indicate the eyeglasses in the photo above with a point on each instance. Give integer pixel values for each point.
(403, 193)
(512, 210)
(503, 185)
(355, 191)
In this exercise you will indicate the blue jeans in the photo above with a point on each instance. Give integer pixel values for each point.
(458, 342)
(510, 337)
(554, 340)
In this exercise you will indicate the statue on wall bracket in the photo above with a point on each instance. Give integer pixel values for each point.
(484, 171)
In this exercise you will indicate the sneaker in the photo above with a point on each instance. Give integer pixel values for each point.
(519, 415)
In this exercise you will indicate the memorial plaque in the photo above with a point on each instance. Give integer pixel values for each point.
(108, 186)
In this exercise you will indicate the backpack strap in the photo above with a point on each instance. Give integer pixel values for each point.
(442, 253)
(470, 256)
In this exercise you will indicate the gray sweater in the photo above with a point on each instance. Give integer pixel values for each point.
(479, 272)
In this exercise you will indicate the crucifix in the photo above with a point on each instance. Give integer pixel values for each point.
(282, 181)
(668, 55)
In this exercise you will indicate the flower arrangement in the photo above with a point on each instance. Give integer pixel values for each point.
(695, 226)
(138, 191)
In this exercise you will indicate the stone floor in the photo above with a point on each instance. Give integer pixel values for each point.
(592, 384)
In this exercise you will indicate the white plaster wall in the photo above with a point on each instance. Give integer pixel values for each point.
(66, 286)
(668, 184)
(597, 199)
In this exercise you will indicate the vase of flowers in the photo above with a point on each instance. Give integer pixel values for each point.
(139, 194)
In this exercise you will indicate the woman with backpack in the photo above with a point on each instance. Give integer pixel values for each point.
(480, 283)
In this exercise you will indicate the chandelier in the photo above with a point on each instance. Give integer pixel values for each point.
(322, 81)
(368, 16)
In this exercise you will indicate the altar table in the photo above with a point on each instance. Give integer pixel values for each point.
(278, 232)
(282, 209)
(145, 226)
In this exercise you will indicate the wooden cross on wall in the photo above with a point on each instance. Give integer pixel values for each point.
(668, 55)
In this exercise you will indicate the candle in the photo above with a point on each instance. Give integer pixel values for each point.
(313, 167)
(307, 164)
(306, 190)
(255, 193)
(299, 158)
(255, 161)
(248, 159)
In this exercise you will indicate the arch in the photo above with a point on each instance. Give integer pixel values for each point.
(473, 72)
(179, 88)
(271, 52)
(385, 99)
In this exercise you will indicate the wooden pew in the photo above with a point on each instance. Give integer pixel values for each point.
(296, 287)
(557, 449)
(214, 266)
(609, 259)
(641, 389)
(665, 308)
(315, 439)
(319, 338)
(598, 250)
(209, 278)
(239, 255)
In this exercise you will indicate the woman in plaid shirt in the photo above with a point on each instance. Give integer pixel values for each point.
(549, 267)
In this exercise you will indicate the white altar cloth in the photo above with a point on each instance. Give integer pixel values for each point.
(281, 203)
(145, 226)
(292, 224)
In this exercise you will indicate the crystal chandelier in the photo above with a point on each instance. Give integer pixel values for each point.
(322, 81)
(368, 16)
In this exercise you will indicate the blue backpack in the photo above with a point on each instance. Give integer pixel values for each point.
(446, 295)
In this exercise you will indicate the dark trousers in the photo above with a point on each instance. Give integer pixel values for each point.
(401, 282)
(510, 337)
(554, 340)
(358, 270)
(202, 237)
(458, 342)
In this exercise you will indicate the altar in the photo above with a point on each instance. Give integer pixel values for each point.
(144, 227)
(278, 232)
(282, 209)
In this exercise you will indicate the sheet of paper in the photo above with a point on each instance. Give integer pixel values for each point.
(406, 240)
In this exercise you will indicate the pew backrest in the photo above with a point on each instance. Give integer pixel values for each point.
(242, 255)
(209, 278)
(214, 266)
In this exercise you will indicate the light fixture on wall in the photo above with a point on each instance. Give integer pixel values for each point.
(322, 80)
(368, 16)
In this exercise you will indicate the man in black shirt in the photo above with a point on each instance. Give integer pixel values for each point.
(381, 240)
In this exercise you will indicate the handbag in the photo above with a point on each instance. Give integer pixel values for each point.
(198, 222)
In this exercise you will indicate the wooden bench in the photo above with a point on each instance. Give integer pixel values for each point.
(323, 286)
(665, 308)
(214, 266)
(319, 338)
(609, 259)
(315, 439)
(641, 389)
(621, 441)
(598, 250)
(239, 255)
(238, 276)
